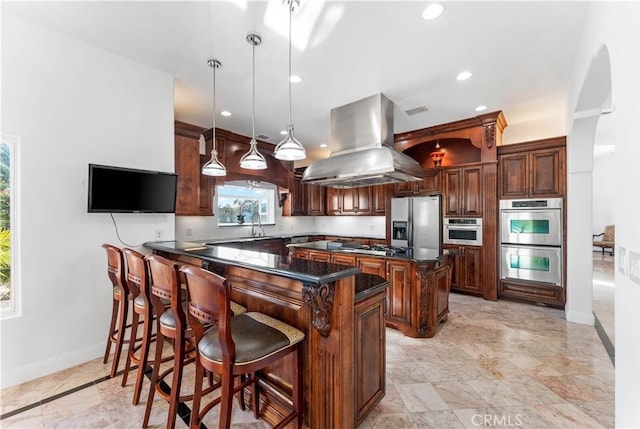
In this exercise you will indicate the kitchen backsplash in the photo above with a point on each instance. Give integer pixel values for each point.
(206, 227)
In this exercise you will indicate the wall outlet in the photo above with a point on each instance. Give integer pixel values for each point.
(189, 232)
(158, 235)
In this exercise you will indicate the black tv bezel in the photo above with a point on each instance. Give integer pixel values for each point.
(132, 170)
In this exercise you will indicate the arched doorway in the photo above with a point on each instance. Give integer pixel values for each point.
(594, 101)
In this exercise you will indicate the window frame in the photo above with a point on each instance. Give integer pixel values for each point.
(14, 309)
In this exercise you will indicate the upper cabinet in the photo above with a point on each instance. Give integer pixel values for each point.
(534, 169)
(428, 186)
(361, 201)
(463, 192)
(195, 191)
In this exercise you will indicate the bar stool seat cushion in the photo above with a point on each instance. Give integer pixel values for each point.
(255, 335)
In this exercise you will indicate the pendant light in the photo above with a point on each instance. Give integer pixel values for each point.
(214, 167)
(253, 159)
(290, 149)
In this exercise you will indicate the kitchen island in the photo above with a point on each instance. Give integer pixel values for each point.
(340, 310)
(420, 280)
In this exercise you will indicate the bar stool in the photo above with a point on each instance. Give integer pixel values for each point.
(232, 346)
(137, 278)
(165, 293)
(120, 307)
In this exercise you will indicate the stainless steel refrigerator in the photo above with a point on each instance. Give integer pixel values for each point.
(416, 222)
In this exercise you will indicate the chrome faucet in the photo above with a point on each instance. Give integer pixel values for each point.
(256, 213)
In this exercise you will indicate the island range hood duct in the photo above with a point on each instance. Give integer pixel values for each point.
(362, 148)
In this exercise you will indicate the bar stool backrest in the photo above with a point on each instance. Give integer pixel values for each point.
(164, 283)
(115, 268)
(209, 304)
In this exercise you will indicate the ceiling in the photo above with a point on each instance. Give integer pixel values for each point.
(521, 55)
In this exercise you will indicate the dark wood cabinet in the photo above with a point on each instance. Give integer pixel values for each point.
(314, 197)
(400, 276)
(463, 192)
(418, 297)
(195, 191)
(369, 334)
(295, 205)
(361, 201)
(428, 186)
(467, 268)
(376, 266)
(553, 296)
(532, 170)
(342, 259)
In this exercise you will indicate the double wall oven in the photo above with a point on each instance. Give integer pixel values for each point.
(531, 234)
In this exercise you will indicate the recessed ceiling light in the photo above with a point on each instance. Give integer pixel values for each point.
(464, 75)
(323, 145)
(225, 113)
(433, 11)
(283, 132)
(295, 78)
(481, 108)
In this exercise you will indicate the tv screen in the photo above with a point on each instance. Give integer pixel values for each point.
(126, 190)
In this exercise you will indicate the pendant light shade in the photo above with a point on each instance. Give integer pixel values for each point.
(214, 167)
(253, 160)
(290, 149)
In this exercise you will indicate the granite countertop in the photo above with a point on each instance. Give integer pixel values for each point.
(415, 254)
(313, 272)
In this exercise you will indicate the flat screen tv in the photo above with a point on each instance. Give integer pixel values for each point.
(126, 190)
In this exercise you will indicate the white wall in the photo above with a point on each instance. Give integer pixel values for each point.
(72, 104)
(621, 41)
(536, 129)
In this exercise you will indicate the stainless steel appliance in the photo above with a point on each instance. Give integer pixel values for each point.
(415, 222)
(531, 221)
(464, 231)
(531, 240)
(362, 148)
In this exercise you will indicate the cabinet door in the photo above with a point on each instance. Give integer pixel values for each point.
(379, 198)
(399, 293)
(472, 191)
(319, 256)
(404, 189)
(206, 190)
(514, 175)
(342, 259)
(431, 183)
(333, 201)
(300, 253)
(547, 173)
(472, 267)
(296, 191)
(452, 190)
(456, 264)
(348, 200)
(363, 197)
(369, 335)
(376, 266)
(315, 198)
(187, 164)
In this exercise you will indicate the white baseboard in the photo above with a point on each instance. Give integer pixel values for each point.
(50, 365)
(580, 317)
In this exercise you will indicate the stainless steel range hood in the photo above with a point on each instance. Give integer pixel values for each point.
(362, 148)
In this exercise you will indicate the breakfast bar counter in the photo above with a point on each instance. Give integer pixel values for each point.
(340, 309)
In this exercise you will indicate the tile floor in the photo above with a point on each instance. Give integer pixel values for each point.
(493, 364)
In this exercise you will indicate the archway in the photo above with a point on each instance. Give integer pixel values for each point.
(594, 100)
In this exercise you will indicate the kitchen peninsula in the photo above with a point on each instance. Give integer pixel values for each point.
(420, 280)
(340, 310)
